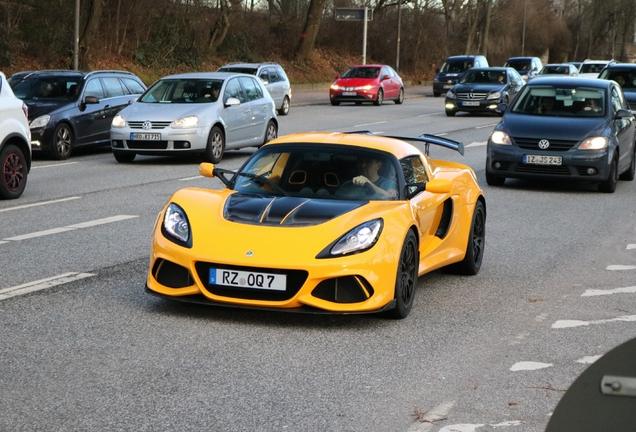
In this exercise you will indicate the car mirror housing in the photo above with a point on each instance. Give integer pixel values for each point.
(232, 102)
(385, 77)
(206, 169)
(623, 113)
(439, 186)
(91, 100)
(501, 107)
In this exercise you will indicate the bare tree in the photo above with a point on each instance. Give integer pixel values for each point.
(91, 27)
(310, 30)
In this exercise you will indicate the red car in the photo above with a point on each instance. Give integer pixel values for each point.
(367, 83)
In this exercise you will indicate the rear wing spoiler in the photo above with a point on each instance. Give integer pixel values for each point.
(427, 139)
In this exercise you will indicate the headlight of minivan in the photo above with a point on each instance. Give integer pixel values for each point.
(40, 122)
(593, 143)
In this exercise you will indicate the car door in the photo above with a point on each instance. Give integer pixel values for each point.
(237, 119)
(259, 108)
(91, 124)
(389, 85)
(274, 86)
(117, 97)
(623, 128)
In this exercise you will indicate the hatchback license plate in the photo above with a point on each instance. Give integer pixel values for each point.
(348, 93)
(247, 279)
(470, 103)
(145, 136)
(542, 160)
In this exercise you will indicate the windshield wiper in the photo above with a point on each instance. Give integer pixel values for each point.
(264, 181)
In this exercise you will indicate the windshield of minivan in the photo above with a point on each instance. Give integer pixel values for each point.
(49, 88)
(561, 101)
(519, 65)
(456, 66)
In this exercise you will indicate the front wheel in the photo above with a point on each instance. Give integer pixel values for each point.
(271, 132)
(124, 157)
(493, 180)
(215, 147)
(63, 142)
(609, 185)
(400, 98)
(471, 263)
(406, 280)
(379, 98)
(436, 94)
(335, 103)
(14, 172)
(450, 113)
(631, 172)
(284, 109)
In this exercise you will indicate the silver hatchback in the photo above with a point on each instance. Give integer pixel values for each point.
(203, 113)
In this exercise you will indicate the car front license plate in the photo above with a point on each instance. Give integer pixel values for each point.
(348, 93)
(447, 86)
(542, 160)
(145, 136)
(246, 279)
(470, 103)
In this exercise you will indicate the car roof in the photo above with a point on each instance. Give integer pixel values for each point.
(467, 56)
(398, 148)
(205, 75)
(67, 72)
(621, 66)
(522, 58)
(492, 68)
(367, 66)
(569, 81)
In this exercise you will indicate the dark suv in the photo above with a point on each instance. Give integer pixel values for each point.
(70, 109)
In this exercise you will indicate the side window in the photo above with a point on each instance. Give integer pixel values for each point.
(414, 170)
(94, 88)
(273, 75)
(113, 87)
(233, 90)
(281, 73)
(252, 89)
(617, 100)
(133, 86)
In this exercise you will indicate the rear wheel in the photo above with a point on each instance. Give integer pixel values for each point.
(400, 98)
(216, 146)
(63, 142)
(631, 172)
(124, 157)
(494, 180)
(609, 185)
(379, 98)
(471, 263)
(271, 132)
(14, 172)
(406, 280)
(284, 109)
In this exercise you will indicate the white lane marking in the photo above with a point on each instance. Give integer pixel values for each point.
(367, 124)
(442, 134)
(191, 178)
(70, 227)
(428, 115)
(620, 267)
(599, 292)
(486, 126)
(507, 423)
(476, 144)
(427, 421)
(631, 246)
(42, 284)
(53, 165)
(40, 203)
(461, 428)
(578, 323)
(589, 359)
(528, 365)
(3, 242)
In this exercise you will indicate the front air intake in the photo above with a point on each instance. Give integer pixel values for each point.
(348, 289)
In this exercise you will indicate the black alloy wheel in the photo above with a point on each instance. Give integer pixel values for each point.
(216, 146)
(63, 142)
(471, 263)
(380, 98)
(14, 172)
(406, 279)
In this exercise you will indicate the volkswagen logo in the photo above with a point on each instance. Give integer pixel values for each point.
(146, 125)
(544, 144)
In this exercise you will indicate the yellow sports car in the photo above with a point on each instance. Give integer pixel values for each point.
(321, 223)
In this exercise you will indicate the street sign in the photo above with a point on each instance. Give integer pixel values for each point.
(353, 14)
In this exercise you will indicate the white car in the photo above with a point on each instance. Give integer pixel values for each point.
(591, 68)
(15, 142)
(204, 113)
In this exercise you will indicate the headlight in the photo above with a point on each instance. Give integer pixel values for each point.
(495, 95)
(360, 238)
(367, 87)
(185, 122)
(451, 95)
(175, 223)
(335, 87)
(594, 143)
(118, 122)
(40, 122)
(500, 137)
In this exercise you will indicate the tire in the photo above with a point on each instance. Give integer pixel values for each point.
(400, 98)
(450, 113)
(335, 103)
(284, 109)
(124, 157)
(436, 94)
(609, 185)
(379, 98)
(471, 263)
(494, 180)
(14, 172)
(63, 142)
(216, 146)
(271, 132)
(631, 172)
(406, 278)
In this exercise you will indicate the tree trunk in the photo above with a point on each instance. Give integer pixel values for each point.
(221, 26)
(93, 19)
(487, 27)
(472, 19)
(310, 30)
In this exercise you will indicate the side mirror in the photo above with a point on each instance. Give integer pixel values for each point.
(386, 77)
(337, 76)
(501, 107)
(265, 82)
(232, 102)
(206, 169)
(91, 100)
(623, 114)
(439, 186)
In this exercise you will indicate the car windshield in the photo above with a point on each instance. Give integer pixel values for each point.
(519, 65)
(626, 78)
(476, 76)
(239, 69)
(325, 172)
(546, 100)
(556, 70)
(366, 72)
(456, 66)
(183, 91)
(592, 67)
(47, 88)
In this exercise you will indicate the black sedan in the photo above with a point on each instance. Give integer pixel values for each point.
(625, 75)
(564, 129)
(481, 89)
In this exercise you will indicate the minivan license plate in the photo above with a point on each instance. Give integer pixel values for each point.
(542, 160)
(145, 136)
(247, 279)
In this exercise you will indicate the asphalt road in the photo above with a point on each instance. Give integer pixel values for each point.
(88, 350)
